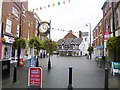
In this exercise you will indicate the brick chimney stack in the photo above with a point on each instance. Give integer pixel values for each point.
(80, 34)
(70, 31)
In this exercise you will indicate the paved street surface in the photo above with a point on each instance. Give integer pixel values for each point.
(86, 74)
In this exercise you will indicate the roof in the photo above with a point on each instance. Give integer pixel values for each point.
(69, 41)
(70, 35)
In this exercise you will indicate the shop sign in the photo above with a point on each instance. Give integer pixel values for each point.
(106, 35)
(35, 77)
(9, 39)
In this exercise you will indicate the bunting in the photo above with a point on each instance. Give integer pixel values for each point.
(52, 5)
(63, 30)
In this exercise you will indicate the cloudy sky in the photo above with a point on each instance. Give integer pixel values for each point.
(73, 15)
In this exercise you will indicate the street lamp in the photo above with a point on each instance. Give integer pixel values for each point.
(20, 25)
(49, 62)
(113, 27)
(90, 31)
(90, 40)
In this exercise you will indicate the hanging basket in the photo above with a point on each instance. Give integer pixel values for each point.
(3, 40)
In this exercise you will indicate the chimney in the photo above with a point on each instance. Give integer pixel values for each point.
(80, 34)
(70, 31)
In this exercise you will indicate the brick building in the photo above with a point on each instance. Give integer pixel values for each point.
(98, 39)
(108, 22)
(11, 12)
(104, 29)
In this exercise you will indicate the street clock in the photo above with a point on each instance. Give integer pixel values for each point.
(44, 27)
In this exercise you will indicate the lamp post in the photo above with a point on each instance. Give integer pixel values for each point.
(113, 26)
(90, 39)
(20, 25)
(49, 62)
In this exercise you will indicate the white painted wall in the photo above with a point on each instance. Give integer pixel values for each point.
(84, 46)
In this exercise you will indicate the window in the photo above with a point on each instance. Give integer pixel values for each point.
(15, 11)
(106, 25)
(111, 25)
(8, 25)
(29, 23)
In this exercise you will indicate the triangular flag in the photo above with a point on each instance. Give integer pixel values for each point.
(33, 10)
(30, 10)
(40, 8)
(48, 5)
(36, 9)
(53, 4)
(63, 2)
(69, 1)
(58, 3)
(44, 7)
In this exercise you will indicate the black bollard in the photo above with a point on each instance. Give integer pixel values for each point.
(15, 74)
(70, 78)
(37, 62)
(106, 79)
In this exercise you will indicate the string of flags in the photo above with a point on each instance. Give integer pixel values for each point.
(64, 30)
(52, 5)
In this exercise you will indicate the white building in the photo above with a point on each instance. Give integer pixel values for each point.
(85, 44)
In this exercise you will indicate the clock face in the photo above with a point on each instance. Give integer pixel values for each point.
(43, 27)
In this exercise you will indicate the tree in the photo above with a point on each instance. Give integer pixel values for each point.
(19, 41)
(90, 50)
(50, 46)
(35, 43)
(111, 43)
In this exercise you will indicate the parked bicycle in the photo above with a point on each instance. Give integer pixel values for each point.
(100, 62)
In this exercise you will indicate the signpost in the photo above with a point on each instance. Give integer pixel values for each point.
(33, 62)
(115, 68)
(35, 77)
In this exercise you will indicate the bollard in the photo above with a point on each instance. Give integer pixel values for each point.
(37, 62)
(15, 74)
(106, 79)
(70, 78)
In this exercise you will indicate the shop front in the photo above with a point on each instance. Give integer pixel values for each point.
(7, 47)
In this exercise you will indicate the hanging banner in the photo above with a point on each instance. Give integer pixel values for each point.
(106, 35)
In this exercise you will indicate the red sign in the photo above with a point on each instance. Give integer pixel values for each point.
(35, 76)
(21, 62)
(106, 35)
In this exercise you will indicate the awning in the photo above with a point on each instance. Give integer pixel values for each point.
(99, 47)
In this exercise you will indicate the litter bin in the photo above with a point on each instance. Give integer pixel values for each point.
(5, 63)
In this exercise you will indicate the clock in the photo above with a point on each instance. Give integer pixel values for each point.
(44, 27)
